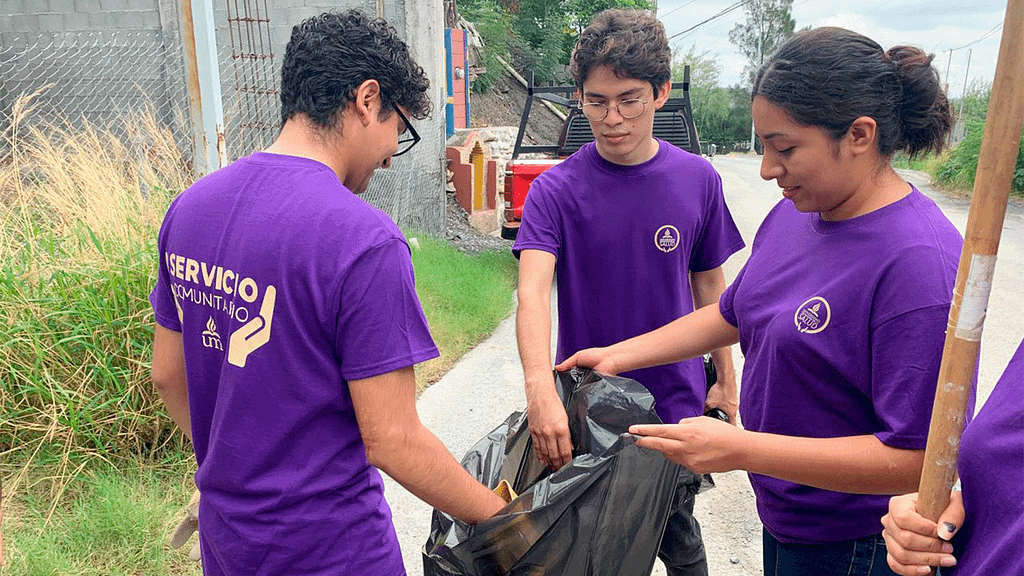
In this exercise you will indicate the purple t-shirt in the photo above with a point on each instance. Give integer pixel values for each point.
(285, 286)
(991, 467)
(841, 325)
(626, 239)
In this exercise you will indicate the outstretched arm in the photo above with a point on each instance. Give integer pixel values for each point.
(853, 464)
(398, 443)
(699, 332)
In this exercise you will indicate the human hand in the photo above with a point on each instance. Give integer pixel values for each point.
(594, 358)
(549, 426)
(703, 445)
(914, 543)
(723, 396)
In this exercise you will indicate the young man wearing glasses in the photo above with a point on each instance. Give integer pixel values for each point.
(288, 325)
(635, 229)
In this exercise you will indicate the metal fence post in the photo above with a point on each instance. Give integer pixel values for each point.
(204, 92)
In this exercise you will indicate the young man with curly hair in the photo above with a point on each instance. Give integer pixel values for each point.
(288, 325)
(636, 230)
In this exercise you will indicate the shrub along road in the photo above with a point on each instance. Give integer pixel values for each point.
(486, 385)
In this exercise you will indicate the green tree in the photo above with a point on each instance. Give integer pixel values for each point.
(541, 34)
(494, 25)
(767, 25)
(722, 115)
(707, 99)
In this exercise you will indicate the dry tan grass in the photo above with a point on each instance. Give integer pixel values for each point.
(80, 207)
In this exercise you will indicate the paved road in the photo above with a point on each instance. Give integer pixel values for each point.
(486, 385)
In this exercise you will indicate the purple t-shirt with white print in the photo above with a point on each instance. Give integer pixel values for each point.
(285, 286)
(842, 326)
(991, 468)
(626, 239)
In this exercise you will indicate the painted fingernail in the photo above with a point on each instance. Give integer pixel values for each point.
(949, 527)
(947, 561)
(947, 548)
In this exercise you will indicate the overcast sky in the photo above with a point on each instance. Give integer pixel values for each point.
(964, 26)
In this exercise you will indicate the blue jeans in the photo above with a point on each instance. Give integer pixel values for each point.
(858, 557)
(682, 549)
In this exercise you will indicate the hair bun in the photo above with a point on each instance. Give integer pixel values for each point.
(925, 117)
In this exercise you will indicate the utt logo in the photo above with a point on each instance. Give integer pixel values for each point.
(813, 315)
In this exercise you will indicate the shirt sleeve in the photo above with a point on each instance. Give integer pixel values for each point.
(381, 326)
(165, 307)
(539, 229)
(906, 352)
(727, 302)
(719, 237)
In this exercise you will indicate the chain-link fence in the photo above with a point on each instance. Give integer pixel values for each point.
(100, 77)
(95, 77)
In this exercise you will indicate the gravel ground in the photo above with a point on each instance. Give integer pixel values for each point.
(461, 235)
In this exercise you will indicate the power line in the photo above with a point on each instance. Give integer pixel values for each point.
(715, 17)
(985, 35)
(677, 8)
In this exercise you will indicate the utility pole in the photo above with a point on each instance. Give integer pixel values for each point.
(963, 96)
(948, 62)
(967, 75)
(949, 135)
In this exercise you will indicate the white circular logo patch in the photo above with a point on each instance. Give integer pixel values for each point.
(667, 238)
(813, 316)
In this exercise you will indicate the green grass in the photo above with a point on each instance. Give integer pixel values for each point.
(79, 215)
(928, 163)
(109, 523)
(464, 298)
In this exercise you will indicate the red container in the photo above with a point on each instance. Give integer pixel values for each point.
(522, 174)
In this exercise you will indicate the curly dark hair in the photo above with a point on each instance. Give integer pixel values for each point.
(330, 55)
(828, 77)
(632, 42)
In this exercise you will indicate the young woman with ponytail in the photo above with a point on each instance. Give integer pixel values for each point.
(840, 310)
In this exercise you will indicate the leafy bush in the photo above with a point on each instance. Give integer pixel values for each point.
(959, 168)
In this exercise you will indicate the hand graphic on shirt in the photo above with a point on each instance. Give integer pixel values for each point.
(254, 333)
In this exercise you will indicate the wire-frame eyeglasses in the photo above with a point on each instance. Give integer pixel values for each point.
(628, 109)
(408, 137)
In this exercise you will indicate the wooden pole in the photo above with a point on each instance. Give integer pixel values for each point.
(1002, 135)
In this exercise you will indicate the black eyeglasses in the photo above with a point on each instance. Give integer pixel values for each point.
(408, 138)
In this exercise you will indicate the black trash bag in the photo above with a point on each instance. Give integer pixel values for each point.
(602, 514)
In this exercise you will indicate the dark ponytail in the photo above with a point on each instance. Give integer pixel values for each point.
(828, 77)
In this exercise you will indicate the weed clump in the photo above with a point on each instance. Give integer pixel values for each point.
(80, 207)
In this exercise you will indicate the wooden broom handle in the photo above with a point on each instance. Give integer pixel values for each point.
(996, 161)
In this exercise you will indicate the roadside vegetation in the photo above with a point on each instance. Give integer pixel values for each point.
(94, 473)
(955, 168)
